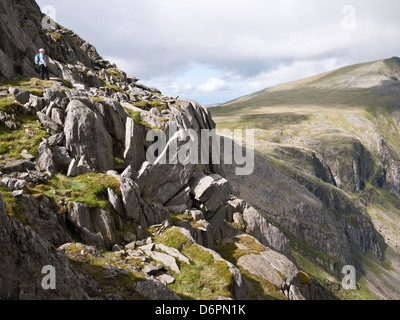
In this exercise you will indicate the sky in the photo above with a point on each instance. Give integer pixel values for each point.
(214, 51)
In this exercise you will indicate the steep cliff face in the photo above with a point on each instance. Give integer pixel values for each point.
(74, 170)
(24, 255)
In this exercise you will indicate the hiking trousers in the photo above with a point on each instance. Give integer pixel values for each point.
(44, 72)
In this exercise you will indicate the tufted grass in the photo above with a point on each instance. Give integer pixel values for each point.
(7, 103)
(204, 278)
(114, 72)
(28, 137)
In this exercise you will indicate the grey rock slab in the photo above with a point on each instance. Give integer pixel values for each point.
(165, 259)
(172, 252)
(17, 166)
(131, 246)
(163, 181)
(51, 126)
(152, 269)
(166, 279)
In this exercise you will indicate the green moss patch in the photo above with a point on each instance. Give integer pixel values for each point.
(118, 162)
(90, 189)
(135, 115)
(56, 36)
(172, 238)
(149, 104)
(97, 99)
(8, 104)
(205, 278)
(232, 253)
(33, 85)
(114, 73)
(115, 88)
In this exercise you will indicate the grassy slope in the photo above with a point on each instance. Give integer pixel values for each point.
(355, 101)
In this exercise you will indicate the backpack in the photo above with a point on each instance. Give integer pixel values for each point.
(37, 58)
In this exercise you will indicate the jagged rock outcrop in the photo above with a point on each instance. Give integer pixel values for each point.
(269, 235)
(97, 119)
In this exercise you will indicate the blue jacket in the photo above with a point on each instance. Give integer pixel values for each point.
(42, 58)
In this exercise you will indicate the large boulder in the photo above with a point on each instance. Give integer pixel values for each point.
(52, 157)
(20, 95)
(114, 119)
(130, 195)
(87, 137)
(45, 160)
(49, 223)
(188, 114)
(49, 124)
(191, 115)
(269, 265)
(162, 182)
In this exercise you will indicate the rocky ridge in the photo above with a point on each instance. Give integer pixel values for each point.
(124, 228)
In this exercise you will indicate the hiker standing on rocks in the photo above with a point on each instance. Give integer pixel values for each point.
(40, 59)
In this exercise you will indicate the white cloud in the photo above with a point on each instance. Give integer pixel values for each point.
(252, 41)
(213, 85)
(290, 72)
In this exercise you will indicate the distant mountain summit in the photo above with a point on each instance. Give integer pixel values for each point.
(363, 75)
(381, 76)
